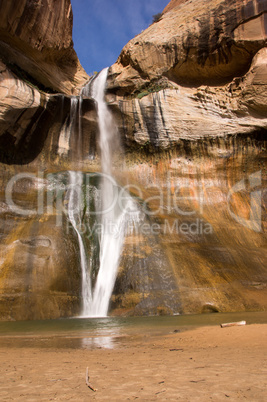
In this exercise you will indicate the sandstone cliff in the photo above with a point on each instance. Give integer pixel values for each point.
(162, 119)
(189, 96)
(194, 44)
(200, 71)
(172, 4)
(35, 122)
(37, 59)
(39, 270)
(36, 42)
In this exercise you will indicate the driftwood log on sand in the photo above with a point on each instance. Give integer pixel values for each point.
(233, 324)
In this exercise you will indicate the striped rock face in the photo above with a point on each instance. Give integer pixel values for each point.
(194, 43)
(36, 42)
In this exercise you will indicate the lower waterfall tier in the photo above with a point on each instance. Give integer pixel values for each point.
(200, 247)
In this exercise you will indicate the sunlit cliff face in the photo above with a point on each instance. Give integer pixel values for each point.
(207, 215)
(200, 246)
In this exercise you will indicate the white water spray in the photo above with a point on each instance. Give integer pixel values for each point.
(68, 128)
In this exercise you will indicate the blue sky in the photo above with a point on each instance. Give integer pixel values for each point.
(102, 27)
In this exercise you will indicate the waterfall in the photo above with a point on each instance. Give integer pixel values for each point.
(75, 207)
(115, 210)
(107, 130)
(117, 207)
(68, 128)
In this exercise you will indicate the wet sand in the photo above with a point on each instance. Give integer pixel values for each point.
(208, 363)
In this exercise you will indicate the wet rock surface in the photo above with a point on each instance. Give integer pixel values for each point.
(39, 268)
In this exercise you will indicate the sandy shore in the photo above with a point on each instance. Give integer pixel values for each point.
(209, 363)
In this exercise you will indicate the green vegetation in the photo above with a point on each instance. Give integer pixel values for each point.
(156, 17)
(153, 86)
(145, 147)
(142, 94)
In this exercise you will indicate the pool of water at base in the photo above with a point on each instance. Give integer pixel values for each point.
(109, 332)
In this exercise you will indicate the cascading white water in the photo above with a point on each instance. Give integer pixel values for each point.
(67, 129)
(107, 128)
(116, 210)
(117, 207)
(75, 206)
